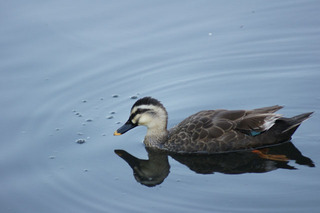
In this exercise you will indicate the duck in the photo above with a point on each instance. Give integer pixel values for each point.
(211, 131)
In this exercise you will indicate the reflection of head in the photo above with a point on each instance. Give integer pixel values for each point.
(150, 172)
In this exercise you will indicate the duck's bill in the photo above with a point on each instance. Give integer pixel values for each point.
(126, 127)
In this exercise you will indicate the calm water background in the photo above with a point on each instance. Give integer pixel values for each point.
(67, 66)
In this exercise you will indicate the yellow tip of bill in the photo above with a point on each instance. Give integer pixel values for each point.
(116, 133)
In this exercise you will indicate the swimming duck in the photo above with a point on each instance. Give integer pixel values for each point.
(211, 131)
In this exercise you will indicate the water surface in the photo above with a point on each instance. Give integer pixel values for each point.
(70, 69)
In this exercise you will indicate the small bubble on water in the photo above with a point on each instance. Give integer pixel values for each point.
(84, 101)
(134, 97)
(78, 114)
(112, 112)
(52, 157)
(110, 117)
(115, 96)
(85, 170)
(89, 120)
(80, 141)
(79, 133)
(119, 122)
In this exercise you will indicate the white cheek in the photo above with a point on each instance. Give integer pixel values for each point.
(145, 120)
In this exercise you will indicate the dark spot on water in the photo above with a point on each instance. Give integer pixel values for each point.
(134, 97)
(89, 120)
(79, 133)
(78, 114)
(52, 157)
(84, 101)
(115, 96)
(112, 112)
(119, 122)
(80, 141)
(110, 117)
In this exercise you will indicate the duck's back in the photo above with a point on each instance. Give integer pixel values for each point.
(214, 131)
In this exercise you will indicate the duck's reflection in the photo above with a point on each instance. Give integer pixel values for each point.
(153, 171)
(149, 172)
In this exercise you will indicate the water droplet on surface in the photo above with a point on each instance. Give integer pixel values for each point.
(134, 97)
(78, 114)
(80, 141)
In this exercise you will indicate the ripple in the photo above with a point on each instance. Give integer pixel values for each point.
(72, 80)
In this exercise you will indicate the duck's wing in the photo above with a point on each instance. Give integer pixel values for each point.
(257, 120)
(213, 130)
(211, 124)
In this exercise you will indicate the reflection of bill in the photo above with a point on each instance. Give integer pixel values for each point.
(153, 171)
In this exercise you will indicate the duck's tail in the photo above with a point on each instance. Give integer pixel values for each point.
(282, 130)
(294, 122)
(285, 127)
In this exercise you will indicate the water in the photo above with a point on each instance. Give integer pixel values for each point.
(69, 70)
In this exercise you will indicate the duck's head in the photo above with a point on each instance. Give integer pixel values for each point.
(147, 112)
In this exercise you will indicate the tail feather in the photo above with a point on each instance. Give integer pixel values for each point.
(283, 129)
(294, 122)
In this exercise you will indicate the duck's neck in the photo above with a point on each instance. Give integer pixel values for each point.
(156, 137)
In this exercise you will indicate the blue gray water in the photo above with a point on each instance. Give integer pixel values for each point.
(71, 70)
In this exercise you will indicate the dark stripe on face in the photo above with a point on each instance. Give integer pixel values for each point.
(138, 111)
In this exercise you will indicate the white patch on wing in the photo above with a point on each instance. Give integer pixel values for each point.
(269, 121)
